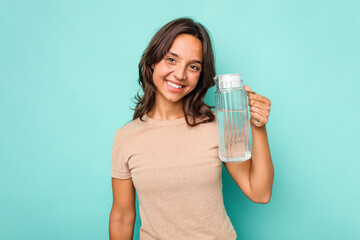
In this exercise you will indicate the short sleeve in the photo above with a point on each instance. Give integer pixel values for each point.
(119, 163)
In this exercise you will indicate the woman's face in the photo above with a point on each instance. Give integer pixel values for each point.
(178, 72)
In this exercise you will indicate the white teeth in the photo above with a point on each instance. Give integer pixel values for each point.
(174, 85)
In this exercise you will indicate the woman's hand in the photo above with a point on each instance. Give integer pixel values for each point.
(259, 108)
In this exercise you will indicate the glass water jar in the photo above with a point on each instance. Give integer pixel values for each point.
(232, 118)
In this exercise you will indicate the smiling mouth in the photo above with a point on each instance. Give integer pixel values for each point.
(174, 85)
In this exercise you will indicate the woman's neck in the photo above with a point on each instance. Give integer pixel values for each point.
(166, 111)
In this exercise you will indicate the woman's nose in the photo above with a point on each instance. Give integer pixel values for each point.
(180, 72)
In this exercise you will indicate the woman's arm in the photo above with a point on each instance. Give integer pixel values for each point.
(119, 230)
(255, 176)
(261, 170)
(123, 213)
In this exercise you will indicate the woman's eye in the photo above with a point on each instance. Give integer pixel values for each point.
(194, 67)
(171, 59)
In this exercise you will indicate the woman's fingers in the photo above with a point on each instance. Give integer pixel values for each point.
(263, 113)
(261, 121)
(259, 109)
(247, 88)
(261, 105)
(257, 97)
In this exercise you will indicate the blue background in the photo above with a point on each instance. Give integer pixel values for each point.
(68, 75)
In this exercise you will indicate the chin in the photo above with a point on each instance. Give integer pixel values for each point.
(174, 100)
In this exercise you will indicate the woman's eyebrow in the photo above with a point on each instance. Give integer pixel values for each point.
(174, 54)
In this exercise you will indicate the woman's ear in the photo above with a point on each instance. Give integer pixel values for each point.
(152, 66)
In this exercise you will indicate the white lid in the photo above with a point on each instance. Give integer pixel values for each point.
(228, 80)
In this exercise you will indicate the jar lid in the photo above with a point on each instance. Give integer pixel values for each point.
(228, 80)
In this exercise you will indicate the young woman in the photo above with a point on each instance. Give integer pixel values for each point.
(169, 152)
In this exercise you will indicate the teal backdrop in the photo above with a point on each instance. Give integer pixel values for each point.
(68, 75)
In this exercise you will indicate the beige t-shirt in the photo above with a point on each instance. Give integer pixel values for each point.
(176, 172)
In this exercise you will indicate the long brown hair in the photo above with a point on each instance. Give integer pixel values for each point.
(193, 103)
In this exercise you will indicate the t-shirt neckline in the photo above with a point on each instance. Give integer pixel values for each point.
(171, 122)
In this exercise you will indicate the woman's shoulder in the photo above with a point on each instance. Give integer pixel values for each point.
(133, 126)
(128, 127)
